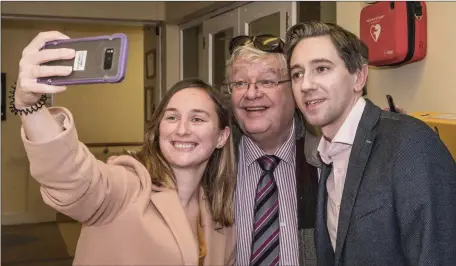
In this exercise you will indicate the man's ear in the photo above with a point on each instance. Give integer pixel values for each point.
(361, 78)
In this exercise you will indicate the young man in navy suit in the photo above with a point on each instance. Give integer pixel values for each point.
(387, 187)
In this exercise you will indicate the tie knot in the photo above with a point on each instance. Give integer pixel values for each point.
(268, 162)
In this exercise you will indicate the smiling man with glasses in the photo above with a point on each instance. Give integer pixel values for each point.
(277, 158)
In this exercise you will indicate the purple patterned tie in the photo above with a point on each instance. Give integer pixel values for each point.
(265, 244)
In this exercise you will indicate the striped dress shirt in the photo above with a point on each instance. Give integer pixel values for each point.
(249, 173)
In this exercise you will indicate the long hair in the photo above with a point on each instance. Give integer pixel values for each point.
(219, 178)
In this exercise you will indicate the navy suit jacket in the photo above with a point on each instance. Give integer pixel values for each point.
(399, 200)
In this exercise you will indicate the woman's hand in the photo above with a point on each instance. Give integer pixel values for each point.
(28, 90)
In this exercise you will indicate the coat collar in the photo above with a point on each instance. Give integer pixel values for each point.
(206, 217)
(167, 202)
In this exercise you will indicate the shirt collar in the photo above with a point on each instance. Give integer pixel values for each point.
(346, 133)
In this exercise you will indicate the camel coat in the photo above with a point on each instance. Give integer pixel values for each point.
(126, 220)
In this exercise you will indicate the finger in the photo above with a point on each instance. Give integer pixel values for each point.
(47, 55)
(50, 71)
(29, 85)
(400, 110)
(42, 38)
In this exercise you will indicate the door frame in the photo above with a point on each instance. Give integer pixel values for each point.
(257, 10)
(199, 20)
(210, 28)
(215, 20)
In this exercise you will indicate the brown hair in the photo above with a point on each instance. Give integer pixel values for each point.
(219, 178)
(350, 48)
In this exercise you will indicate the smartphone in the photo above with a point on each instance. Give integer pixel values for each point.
(392, 107)
(99, 59)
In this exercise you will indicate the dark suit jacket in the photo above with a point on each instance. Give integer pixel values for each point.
(399, 200)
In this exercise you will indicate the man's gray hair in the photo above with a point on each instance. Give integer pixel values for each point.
(250, 53)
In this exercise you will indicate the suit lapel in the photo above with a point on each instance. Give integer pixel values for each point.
(167, 203)
(359, 156)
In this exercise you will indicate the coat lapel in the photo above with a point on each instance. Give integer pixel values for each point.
(206, 218)
(167, 203)
(213, 233)
(359, 156)
(208, 225)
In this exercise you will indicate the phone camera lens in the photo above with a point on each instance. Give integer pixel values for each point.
(108, 56)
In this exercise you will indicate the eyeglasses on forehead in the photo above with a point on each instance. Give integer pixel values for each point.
(266, 43)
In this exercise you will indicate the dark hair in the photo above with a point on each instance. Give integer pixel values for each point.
(219, 178)
(350, 48)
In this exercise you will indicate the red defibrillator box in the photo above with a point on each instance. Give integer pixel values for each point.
(395, 32)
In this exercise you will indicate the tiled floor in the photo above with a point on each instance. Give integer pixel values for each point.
(50, 244)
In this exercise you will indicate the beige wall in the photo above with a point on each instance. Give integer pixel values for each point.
(428, 85)
(171, 11)
(176, 10)
(103, 113)
(148, 10)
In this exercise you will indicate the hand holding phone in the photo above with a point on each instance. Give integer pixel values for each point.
(28, 91)
(100, 59)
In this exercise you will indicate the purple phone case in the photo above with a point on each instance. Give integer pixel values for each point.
(121, 64)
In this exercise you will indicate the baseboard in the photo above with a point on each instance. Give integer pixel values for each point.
(27, 218)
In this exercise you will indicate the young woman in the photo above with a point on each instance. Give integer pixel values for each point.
(169, 204)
